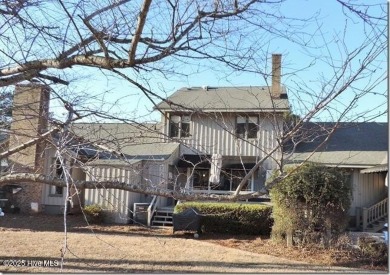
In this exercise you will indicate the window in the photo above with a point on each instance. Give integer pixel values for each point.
(247, 126)
(179, 126)
(200, 179)
(231, 178)
(58, 173)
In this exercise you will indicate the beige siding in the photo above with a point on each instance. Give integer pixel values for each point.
(213, 134)
(118, 204)
(368, 189)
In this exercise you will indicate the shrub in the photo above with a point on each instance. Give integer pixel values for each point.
(375, 252)
(313, 201)
(235, 218)
(94, 213)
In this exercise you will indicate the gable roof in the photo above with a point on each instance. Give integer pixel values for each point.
(350, 145)
(226, 99)
(136, 141)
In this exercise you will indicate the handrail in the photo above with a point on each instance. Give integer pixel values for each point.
(375, 212)
(151, 209)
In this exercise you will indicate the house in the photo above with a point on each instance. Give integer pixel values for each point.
(227, 128)
(361, 150)
(207, 140)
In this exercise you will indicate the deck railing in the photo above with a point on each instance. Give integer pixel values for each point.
(374, 213)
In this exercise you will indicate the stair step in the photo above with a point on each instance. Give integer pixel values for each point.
(164, 211)
(162, 216)
(162, 220)
(162, 223)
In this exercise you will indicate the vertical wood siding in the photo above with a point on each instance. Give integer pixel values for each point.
(368, 189)
(212, 134)
(118, 204)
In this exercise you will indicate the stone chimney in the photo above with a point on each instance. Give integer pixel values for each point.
(276, 88)
(29, 119)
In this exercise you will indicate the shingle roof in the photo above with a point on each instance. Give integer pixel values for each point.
(226, 99)
(139, 141)
(362, 144)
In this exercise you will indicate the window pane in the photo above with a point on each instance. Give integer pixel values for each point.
(201, 179)
(241, 119)
(185, 129)
(174, 129)
(59, 170)
(185, 119)
(252, 119)
(240, 130)
(252, 130)
(59, 190)
(56, 190)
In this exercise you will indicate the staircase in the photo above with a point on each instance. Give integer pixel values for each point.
(377, 226)
(373, 218)
(163, 216)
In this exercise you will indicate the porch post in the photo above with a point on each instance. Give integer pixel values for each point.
(189, 179)
(358, 218)
(365, 216)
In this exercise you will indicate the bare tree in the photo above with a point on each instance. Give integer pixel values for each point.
(59, 44)
(131, 39)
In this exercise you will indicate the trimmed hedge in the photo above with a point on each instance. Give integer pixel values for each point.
(234, 218)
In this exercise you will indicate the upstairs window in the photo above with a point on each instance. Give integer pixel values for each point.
(179, 126)
(247, 126)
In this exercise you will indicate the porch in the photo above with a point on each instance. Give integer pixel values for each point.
(373, 218)
(201, 174)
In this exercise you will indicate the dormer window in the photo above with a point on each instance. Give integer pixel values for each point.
(179, 126)
(247, 126)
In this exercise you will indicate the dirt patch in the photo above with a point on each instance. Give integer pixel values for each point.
(128, 248)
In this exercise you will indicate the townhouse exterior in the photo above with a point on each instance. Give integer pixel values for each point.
(207, 140)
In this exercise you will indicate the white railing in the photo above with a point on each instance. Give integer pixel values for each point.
(152, 208)
(374, 213)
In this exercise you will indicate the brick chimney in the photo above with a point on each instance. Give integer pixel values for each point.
(29, 119)
(276, 88)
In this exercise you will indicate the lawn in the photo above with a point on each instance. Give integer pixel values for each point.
(37, 242)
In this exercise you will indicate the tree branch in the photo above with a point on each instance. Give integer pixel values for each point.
(138, 31)
(137, 188)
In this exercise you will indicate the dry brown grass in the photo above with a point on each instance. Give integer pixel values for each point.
(126, 248)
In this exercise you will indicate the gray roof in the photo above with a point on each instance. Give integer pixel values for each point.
(353, 145)
(138, 141)
(376, 169)
(114, 162)
(226, 99)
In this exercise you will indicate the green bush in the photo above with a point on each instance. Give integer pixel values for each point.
(234, 218)
(94, 213)
(313, 202)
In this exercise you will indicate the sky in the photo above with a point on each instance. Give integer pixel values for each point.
(302, 78)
